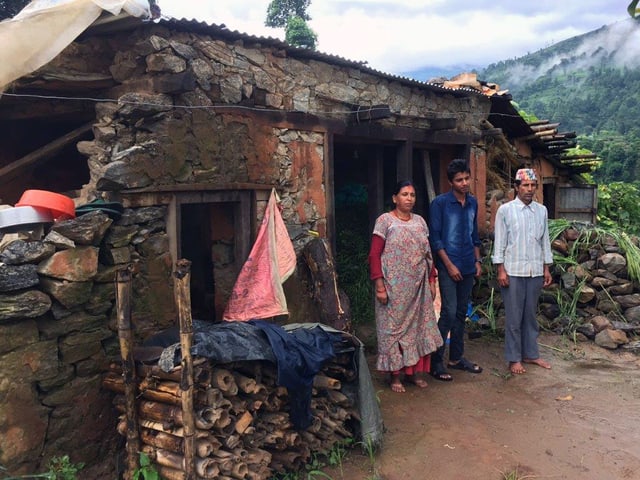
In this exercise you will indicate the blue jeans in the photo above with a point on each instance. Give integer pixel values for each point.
(455, 300)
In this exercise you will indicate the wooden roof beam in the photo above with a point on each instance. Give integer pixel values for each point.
(546, 126)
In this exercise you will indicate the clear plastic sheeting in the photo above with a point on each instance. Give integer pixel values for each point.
(44, 28)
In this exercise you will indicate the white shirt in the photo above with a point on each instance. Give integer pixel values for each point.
(521, 239)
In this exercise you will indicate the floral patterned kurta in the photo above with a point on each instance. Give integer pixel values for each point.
(406, 326)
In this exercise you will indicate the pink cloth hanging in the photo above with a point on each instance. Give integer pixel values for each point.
(258, 290)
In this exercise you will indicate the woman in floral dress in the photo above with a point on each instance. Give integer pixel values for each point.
(404, 276)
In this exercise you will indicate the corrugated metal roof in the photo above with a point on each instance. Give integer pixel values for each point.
(222, 32)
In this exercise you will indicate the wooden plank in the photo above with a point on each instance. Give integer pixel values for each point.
(586, 156)
(200, 187)
(328, 177)
(539, 122)
(428, 176)
(404, 159)
(375, 190)
(544, 133)
(545, 126)
(42, 154)
(125, 335)
(183, 302)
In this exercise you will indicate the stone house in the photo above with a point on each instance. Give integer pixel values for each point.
(205, 121)
(190, 126)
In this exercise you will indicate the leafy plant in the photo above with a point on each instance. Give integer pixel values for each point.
(618, 206)
(370, 449)
(314, 468)
(146, 471)
(60, 468)
(487, 310)
(339, 452)
(568, 307)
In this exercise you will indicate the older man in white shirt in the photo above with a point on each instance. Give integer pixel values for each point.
(522, 254)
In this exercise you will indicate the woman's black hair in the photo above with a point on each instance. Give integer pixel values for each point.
(401, 184)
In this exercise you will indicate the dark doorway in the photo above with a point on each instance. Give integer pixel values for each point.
(207, 239)
(364, 176)
(549, 194)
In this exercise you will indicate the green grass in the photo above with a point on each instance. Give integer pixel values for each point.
(515, 475)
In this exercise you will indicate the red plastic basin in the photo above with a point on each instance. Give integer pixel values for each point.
(61, 206)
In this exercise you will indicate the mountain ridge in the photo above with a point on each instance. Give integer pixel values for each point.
(589, 83)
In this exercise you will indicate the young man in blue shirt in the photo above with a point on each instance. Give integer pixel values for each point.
(456, 246)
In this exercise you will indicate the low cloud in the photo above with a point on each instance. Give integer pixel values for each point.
(405, 35)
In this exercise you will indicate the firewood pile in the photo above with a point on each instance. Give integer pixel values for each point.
(209, 420)
(243, 429)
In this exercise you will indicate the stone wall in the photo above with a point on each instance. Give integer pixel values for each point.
(195, 109)
(58, 331)
(595, 294)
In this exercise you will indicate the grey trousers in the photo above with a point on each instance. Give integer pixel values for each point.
(521, 325)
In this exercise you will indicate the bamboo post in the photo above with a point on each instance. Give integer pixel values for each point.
(123, 306)
(183, 302)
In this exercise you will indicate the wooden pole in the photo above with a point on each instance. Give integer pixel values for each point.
(123, 306)
(183, 302)
(428, 176)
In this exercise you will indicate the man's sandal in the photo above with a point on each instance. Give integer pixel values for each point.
(441, 375)
(465, 365)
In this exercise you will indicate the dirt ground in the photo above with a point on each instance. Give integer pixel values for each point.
(580, 420)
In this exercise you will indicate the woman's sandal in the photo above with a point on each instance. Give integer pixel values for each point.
(466, 365)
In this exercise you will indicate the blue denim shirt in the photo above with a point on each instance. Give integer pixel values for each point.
(454, 228)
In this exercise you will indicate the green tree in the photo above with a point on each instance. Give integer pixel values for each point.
(280, 11)
(292, 16)
(298, 33)
(10, 8)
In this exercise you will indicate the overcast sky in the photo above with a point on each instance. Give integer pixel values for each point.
(398, 36)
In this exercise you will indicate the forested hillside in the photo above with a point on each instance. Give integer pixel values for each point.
(591, 85)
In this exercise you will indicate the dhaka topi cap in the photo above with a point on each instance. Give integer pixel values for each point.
(526, 174)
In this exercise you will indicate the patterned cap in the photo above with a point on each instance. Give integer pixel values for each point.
(526, 174)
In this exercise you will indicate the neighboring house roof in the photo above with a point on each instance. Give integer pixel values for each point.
(504, 115)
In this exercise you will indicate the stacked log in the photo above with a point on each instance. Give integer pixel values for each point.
(242, 424)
